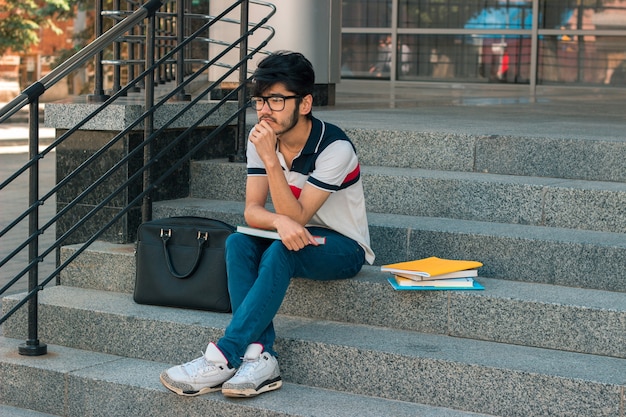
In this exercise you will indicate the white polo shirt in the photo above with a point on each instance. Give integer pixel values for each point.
(329, 162)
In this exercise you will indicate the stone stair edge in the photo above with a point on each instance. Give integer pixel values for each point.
(118, 116)
(8, 411)
(331, 333)
(371, 274)
(446, 174)
(98, 381)
(553, 202)
(462, 176)
(233, 210)
(532, 309)
(574, 158)
(503, 248)
(304, 342)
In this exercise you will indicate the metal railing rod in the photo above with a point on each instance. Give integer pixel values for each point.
(79, 58)
(243, 82)
(117, 52)
(32, 346)
(146, 206)
(87, 162)
(98, 93)
(135, 176)
(91, 115)
(180, 56)
(131, 84)
(63, 182)
(79, 169)
(167, 47)
(122, 161)
(126, 209)
(210, 19)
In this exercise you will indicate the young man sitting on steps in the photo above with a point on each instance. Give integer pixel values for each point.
(311, 172)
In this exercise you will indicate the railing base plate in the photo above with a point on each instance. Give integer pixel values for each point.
(33, 348)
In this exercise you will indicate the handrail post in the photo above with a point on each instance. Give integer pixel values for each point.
(117, 54)
(170, 43)
(98, 95)
(141, 54)
(146, 206)
(132, 49)
(180, 56)
(32, 346)
(240, 155)
(160, 50)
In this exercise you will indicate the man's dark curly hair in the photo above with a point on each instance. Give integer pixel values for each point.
(290, 68)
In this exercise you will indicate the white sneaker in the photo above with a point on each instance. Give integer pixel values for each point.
(259, 373)
(202, 375)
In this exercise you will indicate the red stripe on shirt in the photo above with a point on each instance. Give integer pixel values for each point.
(354, 174)
(296, 191)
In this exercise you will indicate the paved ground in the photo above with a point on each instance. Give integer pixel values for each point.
(482, 109)
(14, 200)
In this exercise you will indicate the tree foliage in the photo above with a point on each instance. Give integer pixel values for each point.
(21, 21)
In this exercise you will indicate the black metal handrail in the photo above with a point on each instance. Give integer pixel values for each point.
(155, 59)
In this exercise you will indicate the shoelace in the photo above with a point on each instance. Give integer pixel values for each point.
(197, 366)
(248, 365)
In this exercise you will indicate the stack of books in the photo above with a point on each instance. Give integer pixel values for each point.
(434, 274)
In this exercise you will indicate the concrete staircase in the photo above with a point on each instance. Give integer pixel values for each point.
(547, 337)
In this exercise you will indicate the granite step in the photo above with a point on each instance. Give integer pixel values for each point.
(594, 158)
(588, 321)
(7, 411)
(78, 383)
(552, 202)
(381, 362)
(120, 115)
(550, 255)
(587, 158)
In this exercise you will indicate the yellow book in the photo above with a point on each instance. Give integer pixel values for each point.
(430, 267)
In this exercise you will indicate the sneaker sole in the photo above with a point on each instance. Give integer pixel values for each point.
(179, 391)
(251, 392)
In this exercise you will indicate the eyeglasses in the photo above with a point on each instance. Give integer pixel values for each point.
(275, 103)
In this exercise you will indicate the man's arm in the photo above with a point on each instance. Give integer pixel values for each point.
(291, 229)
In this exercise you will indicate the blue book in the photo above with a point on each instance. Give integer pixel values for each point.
(423, 285)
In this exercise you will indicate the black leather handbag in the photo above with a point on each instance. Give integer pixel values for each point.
(181, 263)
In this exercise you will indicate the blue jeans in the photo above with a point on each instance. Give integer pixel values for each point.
(259, 272)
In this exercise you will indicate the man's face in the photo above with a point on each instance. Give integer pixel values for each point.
(284, 120)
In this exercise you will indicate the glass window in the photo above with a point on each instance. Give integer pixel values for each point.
(502, 15)
(366, 56)
(457, 14)
(571, 60)
(366, 13)
(554, 14)
(582, 14)
(464, 58)
(468, 56)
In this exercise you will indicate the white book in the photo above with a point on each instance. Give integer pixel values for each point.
(270, 234)
(458, 274)
(438, 283)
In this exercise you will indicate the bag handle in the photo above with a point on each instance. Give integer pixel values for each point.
(165, 237)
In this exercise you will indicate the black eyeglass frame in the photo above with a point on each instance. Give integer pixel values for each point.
(255, 100)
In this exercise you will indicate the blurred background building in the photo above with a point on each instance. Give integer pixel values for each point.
(567, 42)
(536, 42)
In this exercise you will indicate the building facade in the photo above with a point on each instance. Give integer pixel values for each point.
(534, 42)
(20, 69)
(537, 42)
